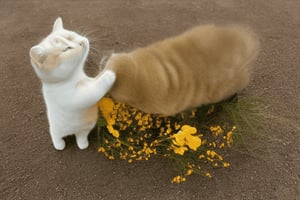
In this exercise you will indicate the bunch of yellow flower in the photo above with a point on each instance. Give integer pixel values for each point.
(192, 140)
(184, 138)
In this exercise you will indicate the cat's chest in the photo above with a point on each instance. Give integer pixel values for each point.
(59, 96)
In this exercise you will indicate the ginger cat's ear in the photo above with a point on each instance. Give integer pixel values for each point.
(38, 54)
(58, 24)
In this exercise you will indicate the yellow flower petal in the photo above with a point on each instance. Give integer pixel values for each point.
(179, 150)
(177, 126)
(179, 138)
(193, 142)
(189, 129)
(189, 172)
(113, 131)
(208, 174)
(101, 149)
(106, 105)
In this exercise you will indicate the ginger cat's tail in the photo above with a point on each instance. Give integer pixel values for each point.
(251, 45)
(250, 52)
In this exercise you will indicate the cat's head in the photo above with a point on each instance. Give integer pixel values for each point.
(60, 54)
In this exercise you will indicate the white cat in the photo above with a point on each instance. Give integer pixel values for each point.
(70, 95)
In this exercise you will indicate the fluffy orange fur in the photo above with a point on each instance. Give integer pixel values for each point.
(203, 65)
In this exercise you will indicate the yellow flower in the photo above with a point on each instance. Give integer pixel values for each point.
(101, 149)
(217, 130)
(193, 114)
(130, 148)
(189, 172)
(178, 179)
(169, 130)
(213, 154)
(185, 137)
(118, 143)
(201, 156)
(138, 116)
(208, 174)
(129, 122)
(226, 164)
(221, 145)
(111, 157)
(215, 164)
(146, 119)
(139, 158)
(229, 138)
(158, 123)
(140, 122)
(148, 151)
(106, 105)
(113, 131)
(177, 126)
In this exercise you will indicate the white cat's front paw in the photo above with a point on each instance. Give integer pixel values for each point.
(110, 77)
(59, 144)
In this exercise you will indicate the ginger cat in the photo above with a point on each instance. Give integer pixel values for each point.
(70, 95)
(203, 65)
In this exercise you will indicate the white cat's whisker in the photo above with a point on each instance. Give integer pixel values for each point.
(93, 49)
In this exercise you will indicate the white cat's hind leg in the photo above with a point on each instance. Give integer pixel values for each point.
(58, 142)
(82, 140)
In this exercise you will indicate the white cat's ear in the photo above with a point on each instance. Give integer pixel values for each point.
(38, 54)
(58, 24)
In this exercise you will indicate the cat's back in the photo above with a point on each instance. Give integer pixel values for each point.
(209, 43)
